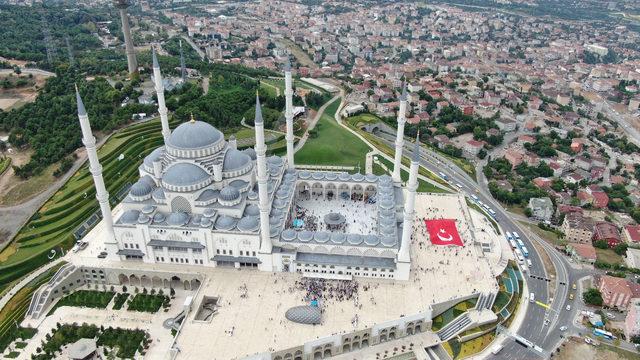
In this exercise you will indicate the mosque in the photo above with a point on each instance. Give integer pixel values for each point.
(202, 201)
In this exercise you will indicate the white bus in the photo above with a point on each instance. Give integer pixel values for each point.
(492, 213)
(475, 198)
(509, 237)
(519, 256)
(513, 244)
(520, 243)
(525, 251)
(515, 235)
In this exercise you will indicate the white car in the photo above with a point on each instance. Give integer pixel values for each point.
(610, 316)
(568, 307)
(563, 328)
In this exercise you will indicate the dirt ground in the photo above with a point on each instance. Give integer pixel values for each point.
(11, 98)
(579, 350)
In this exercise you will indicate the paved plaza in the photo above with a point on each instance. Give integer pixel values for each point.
(252, 304)
(360, 216)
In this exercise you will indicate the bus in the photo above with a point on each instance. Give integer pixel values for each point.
(513, 244)
(509, 237)
(515, 235)
(525, 251)
(443, 175)
(475, 198)
(604, 334)
(520, 243)
(519, 256)
(492, 213)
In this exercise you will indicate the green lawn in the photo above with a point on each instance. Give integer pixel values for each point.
(85, 298)
(4, 164)
(363, 119)
(609, 256)
(423, 186)
(334, 145)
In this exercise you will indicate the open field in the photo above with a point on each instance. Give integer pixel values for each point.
(609, 256)
(575, 349)
(23, 190)
(301, 56)
(333, 145)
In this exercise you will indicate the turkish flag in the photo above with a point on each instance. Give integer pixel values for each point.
(443, 232)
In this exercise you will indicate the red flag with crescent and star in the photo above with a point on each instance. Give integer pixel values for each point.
(443, 232)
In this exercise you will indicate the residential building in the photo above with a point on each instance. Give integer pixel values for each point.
(584, 253)
(631, 234)
(577, 228)
(604, 230)
(541, 208)
(632, 321)
(617, 292)
(632, 258)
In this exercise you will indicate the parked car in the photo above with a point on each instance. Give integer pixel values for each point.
(568, 307)
(563, 328)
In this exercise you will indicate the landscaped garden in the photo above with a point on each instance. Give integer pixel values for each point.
(123, 342)
(120, 299)
(85, 298)
(150, 303)
(332, 144)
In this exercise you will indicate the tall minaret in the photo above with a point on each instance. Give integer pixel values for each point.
(183, 68)
(409, 204)
(162, 108)
(132, 63)
(288, 112)
(263, 196)
(397, 161)
(96, 171)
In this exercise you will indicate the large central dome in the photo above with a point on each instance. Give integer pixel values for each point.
(195, 135)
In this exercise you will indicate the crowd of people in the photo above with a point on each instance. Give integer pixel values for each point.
(321, 289)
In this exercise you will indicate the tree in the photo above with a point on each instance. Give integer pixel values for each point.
(621, 248)
(592, 297)
(3, 147)
(482, 154)
(601, 244)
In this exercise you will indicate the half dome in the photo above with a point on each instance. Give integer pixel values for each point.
(183, 175)
(235, 160)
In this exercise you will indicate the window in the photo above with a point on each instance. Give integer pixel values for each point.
(240, 252)
(126, 246)
(254, 253)
(230, 252)
(137, 246)
(224, 252)
(218, 251)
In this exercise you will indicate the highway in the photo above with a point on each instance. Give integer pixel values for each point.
(533, 327)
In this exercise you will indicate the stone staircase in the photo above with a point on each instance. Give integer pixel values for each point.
(455, 327)
(485, 301)
(42, 294)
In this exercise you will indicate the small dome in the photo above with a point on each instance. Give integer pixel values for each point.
(288, 235)
(177, 219)
(149, 180)
(225, 223)
(140, 189)
(337, 238)
(275, 160)
(158, 218)
(252, 210)
(229, 193)
(185, 174)
(388, 241)
(371, 240)
(252, 195)
(235, 160)
(358, 177)
(209, 212)
(251, 153)
(130, 217)
(240, 184)
(194, 135)
(248, 223)
(148, 209)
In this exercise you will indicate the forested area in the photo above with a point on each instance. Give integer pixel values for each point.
(22, 36)
(50, 124)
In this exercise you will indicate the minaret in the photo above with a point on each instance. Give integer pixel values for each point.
(288, 112)
(409, 204)
(96, 171)
(261, 150)
(183, 69)
(397, 161)
(132, 63)
(162, 108)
